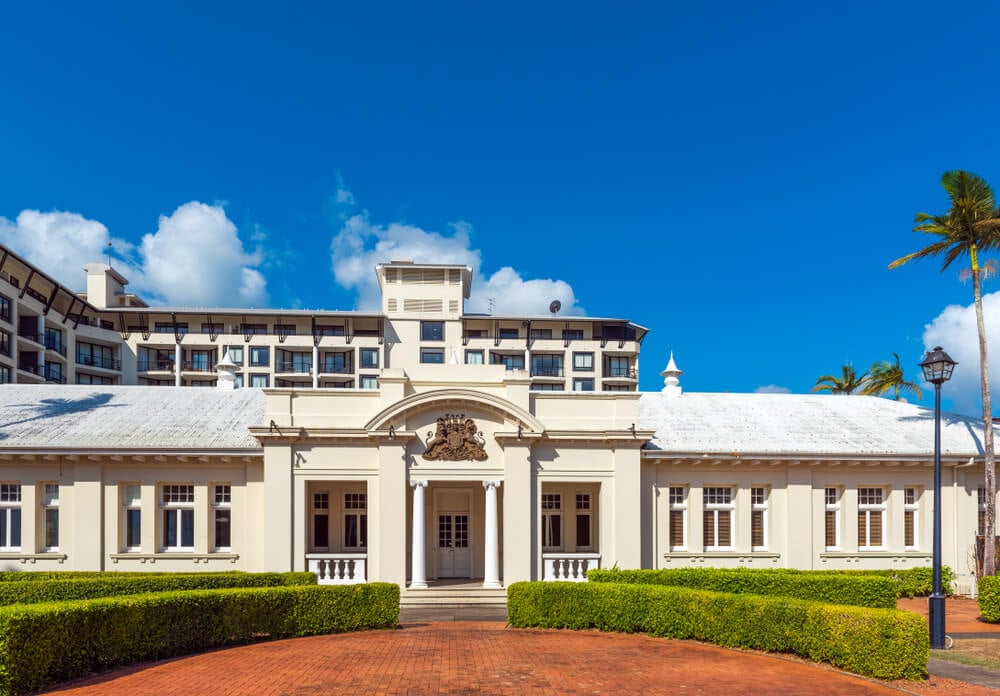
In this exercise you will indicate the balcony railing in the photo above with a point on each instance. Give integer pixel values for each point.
(546, 371)
(623, 372)
(55, 343)
(30, 335)
(338, 568)
(197, 366)
(33, 368)
(331, 369)
(97, 361)
(155, 365)
(54, 376)
(293, 367)
(572, 567)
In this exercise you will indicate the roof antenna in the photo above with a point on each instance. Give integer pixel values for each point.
(109, 254)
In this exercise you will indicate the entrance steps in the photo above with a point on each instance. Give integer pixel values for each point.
(453, 595)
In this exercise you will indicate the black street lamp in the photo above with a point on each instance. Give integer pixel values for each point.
(937, 366)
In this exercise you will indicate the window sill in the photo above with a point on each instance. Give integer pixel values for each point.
(874, 553)
(23, 558)
(175, 556)
(741, 556)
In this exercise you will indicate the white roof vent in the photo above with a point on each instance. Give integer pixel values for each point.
(671, 375)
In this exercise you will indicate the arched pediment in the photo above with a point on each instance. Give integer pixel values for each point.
(454, 399)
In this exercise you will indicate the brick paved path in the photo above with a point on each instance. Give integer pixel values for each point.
(475, 658)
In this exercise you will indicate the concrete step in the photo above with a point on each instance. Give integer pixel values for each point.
(453, 597)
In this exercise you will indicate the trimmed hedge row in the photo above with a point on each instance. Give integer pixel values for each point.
(41, 644)
(114, 584)
(989, 598)
(911, 582)
(865, 591)
(882, 643)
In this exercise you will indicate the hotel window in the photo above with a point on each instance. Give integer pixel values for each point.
(4, 374)
(617, 367)
(84, 378)
(369, 382)
(95, 355)
(981, 514)
(572, 334)
(758, 518)
(338, 363)
(5, 308)
(238, 380)
(321, 521)
(328, 330)
(260, 356)
(10, 516)
(717, 520)
(260, 381)
(540, 334)
(284, 329)
(5, 342)
(831, 517)
(166, 327)
(473, 357)
(432, 356)
(546, 386)
(511, 362)
(911, 521)
(584, 362)
(583, 384)
(551, 521)
(132, 516)
(223, 516)
(584, 523)
(871, 515)
(355, 520)
(432, 331)
(508, 333)
(213, 328)
(253, 329)
(547, 365)
(677, 539)
(235, 354)
(50, 515)
(369, 357)
(177, 506)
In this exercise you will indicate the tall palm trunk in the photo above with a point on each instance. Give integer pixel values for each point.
(989, 545)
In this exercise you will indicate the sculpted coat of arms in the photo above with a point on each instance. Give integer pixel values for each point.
(455, 439)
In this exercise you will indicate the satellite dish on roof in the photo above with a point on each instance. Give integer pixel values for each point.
(555, 306)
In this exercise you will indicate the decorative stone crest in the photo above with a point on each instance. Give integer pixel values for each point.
(455, 440)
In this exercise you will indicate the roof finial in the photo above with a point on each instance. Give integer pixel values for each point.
(670, 374)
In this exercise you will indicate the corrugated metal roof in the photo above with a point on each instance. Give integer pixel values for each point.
(128, 417)
(802, 424)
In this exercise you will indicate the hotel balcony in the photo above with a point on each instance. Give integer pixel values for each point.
(99, 363)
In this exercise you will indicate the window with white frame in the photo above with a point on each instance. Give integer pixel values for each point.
(584, 523)
(132, 516)
(676, 528)
(369, 382)
(10, 516)
(321, 520)
(222, 517)
(551, 521)
(473, 357)
(583, 361)
(355, 520)
(758, 518)
(871, 517)
(831, 517)
(177, 506)
(717, 521)
(50, 515)
(911, 520)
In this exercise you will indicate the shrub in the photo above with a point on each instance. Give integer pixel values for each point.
(92, 586)
(882, 643)
(45, 643)
(989, 598)
(865, 591)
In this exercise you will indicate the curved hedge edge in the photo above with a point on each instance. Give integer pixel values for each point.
(112, 584)
(857, 590)
(880, 643)
(42, 644)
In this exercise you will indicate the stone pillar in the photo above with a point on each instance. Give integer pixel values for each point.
(521, 552)
(177, 364)
(315, 366)
(418, 573)
(491, 572)
(387, 527)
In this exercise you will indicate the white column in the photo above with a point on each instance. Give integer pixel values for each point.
(418, 573)
(491, 573)
(315, 369)
(177, 364)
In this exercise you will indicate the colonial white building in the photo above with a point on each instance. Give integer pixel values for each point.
(420, 443)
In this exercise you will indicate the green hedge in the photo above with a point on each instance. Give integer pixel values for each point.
(865, 591)
(882, 643)
(92, 586)
(41, 644)
(911, 582)
(989, 598)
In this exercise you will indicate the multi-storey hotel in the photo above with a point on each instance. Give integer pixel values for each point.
(420, 443)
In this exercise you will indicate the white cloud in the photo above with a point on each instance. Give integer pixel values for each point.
(59, 243)
(772, 389)
(361, 244)
(195, 257)
(955, 330)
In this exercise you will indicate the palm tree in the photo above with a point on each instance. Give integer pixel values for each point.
(885, 376)
(848, 382)
(970, 227)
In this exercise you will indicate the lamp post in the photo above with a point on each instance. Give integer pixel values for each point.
(937, 366)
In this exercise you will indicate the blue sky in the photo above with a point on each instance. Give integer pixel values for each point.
(735, 176)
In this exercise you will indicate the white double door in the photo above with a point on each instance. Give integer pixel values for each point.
(452, 549)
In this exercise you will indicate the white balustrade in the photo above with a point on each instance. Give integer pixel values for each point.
(572, 567)
(338, 568)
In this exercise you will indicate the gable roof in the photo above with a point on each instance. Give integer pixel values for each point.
(802, 424)
(128, 418)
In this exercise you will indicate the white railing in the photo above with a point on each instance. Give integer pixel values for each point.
(569, 566)
(338, 568)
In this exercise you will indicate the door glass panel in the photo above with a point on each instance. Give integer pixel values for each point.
(461, 531)
(444, 531)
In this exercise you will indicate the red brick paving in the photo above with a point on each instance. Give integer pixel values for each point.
(961, 614)
(479, 658)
